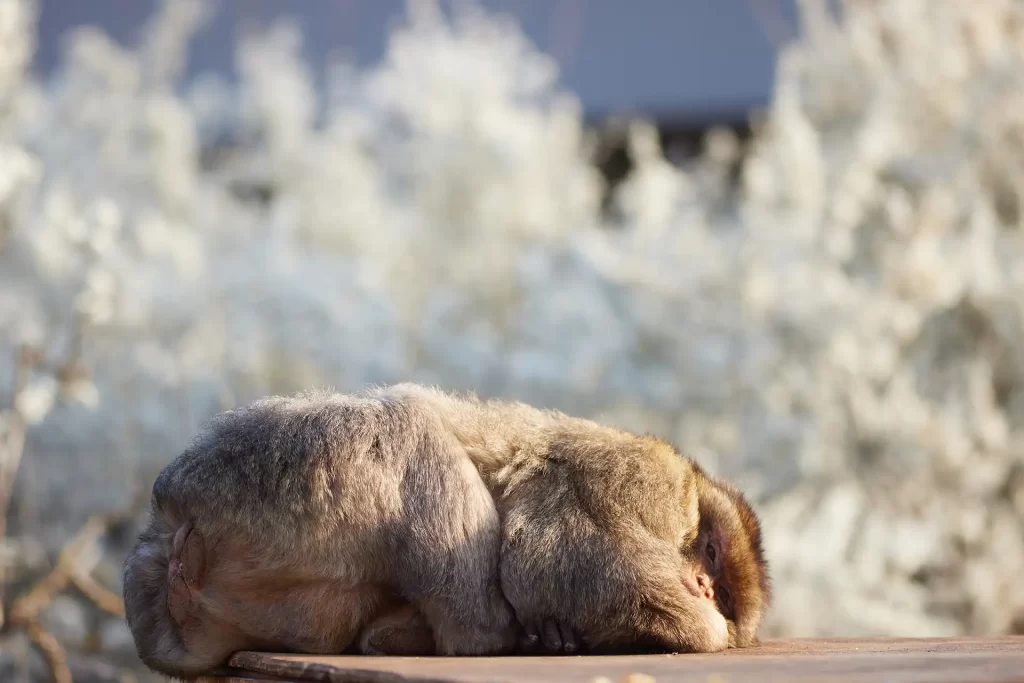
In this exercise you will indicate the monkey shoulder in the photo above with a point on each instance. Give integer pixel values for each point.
(618, 481)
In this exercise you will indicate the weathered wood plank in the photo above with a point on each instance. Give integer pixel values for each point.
(963, 660)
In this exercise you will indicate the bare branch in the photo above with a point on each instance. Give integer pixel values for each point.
(12, 447)
(52, 651)
(27, 607)
(99, 595)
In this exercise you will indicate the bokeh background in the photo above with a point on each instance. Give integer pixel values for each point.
(787, 236)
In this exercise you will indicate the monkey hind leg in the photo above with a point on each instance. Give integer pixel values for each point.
(452, 546)
(164, 576)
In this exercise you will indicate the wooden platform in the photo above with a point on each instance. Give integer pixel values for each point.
(985, 660)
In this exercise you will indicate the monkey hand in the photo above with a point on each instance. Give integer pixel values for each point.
(717, 627)
(549, 636)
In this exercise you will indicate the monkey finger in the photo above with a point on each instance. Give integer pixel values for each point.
(569, 644)
(551, 637)
(530, 641)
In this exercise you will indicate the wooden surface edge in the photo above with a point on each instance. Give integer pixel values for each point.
(823, 659)
(298, 668)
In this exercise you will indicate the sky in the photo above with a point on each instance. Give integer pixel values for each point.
(679, 59)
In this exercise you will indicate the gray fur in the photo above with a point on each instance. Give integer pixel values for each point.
(325, 515)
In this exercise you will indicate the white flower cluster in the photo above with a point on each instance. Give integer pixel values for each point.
(845, 337)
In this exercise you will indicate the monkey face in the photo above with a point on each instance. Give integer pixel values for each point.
(705, 575)
(726, 563)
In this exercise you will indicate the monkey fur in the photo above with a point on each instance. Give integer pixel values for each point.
(409, 521)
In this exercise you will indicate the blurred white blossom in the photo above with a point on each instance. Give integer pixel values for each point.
(35, 401)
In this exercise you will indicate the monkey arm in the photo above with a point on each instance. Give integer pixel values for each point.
(574, 584)
(592, 527)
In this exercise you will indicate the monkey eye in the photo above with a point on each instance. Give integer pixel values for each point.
(711, 552)
(725, 600)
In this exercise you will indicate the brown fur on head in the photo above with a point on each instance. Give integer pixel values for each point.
(737, 566)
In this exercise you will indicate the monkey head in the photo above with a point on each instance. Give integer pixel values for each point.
(725, 563)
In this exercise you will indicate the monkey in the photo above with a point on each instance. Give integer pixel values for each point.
(407, 520)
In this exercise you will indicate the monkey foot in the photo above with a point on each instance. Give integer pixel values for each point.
(548, 636)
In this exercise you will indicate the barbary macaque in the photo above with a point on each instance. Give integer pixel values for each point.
(409, 521)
